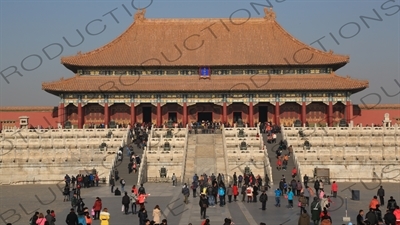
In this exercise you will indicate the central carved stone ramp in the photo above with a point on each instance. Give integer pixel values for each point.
(205, 155)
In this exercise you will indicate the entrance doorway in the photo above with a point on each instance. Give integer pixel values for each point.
(172, 117)
(147, 114)
(237, 116)
(262, 114)
(206, 116)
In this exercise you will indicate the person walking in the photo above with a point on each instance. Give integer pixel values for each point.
(203, 203)
(381, 194)
(304, 218)
(134, 200)
(112, 184)
(97, 206)
(221, 193)
(315, 211)
(125, 202)
(186, 193)
(72, 218)
(157, 214)
(173, 180)
(334, 189)
(290, 196)
(302, 203)
(243, 191)
(104, 217)
(142, 216)
(278, 194)
(229, 192)
(235, 191)
(122, 182)
(263, 200)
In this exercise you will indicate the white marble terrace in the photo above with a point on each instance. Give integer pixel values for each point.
(46, 155)
(254, 155)
(351, 153)
(167, 147)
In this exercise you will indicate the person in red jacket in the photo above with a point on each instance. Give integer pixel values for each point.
(98, 205)
(334, 189)
(396, 213)
(235, 191)
(294, 172)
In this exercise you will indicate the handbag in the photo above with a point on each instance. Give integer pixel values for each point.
(122, 209)
(299, 204)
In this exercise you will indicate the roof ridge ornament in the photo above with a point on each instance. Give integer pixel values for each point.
(139, 15)
(269, 14)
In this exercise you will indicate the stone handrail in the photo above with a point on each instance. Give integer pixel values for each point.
(143, 165)
(267, 166)
(125, 141)
(295, 159)
(355, 131)
(185, 155)
(225, 153)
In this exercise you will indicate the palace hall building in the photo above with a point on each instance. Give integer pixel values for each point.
(219, 70)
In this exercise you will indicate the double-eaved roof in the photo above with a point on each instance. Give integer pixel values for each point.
(205, 42)
(166, 43)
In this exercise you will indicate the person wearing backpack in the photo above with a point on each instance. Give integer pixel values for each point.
(33, 219)
(186, 193)
(122, 182)
(221, 193)
(240, 179)
(315, 210)
(263, 199)
(141, 189)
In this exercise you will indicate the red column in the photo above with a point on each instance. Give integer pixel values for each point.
(185, 117)
(80, 116)
(251, 114)
(349, 111)
(330, 114)
(277, 112)
(303, 113)
(106, 114)
(224, 113)
(133, 114)
(61, 114)
(159, 114)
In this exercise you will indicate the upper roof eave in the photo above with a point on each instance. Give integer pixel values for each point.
(154, 32)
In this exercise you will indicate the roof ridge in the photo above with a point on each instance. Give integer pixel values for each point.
(99, 49)
(330, 53)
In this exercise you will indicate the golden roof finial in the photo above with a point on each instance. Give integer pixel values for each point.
(139, 15)
(269, 14)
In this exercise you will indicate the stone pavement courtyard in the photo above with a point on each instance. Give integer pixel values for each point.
(18, 203)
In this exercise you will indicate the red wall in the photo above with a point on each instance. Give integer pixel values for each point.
(48, 116)
(375, 116)
(44, 119)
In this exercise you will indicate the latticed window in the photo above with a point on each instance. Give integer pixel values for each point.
(187, 72)
(106, 72)
(251, 71)
(86, 72)
(135, 72)
(157, 72)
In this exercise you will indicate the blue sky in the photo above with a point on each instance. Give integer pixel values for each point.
(26, 27)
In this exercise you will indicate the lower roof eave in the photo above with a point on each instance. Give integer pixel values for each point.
(57, 92)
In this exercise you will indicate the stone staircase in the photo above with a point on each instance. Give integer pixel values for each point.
(190, 163)
(276, 174)
(122, 167)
